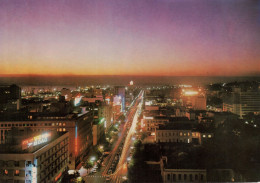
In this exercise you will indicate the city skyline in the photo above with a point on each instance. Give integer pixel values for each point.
(159, 38)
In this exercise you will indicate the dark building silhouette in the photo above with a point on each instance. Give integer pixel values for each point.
(10, 97)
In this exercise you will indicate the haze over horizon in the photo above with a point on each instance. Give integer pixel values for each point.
(130, 37)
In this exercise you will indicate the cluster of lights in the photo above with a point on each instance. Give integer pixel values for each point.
(191, 93)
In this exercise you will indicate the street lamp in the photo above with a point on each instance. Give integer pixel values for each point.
(93, 158)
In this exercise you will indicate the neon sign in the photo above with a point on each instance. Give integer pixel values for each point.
(57, 178)
(34, 175)
(77, 100)
(34, 141)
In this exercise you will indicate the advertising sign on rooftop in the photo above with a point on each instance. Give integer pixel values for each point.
(34, 141)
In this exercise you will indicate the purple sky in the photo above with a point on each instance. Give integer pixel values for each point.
(130, 37)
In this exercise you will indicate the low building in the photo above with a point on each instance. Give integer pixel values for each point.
(173, 173)
(150, 123)
(42, 157)
(177, 133)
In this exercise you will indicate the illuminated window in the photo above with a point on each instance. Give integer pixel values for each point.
(53, 124)
(188, 133)
(180, 133)
(184, 134)
(204, 136)
(6, 172)
(64, 129)
(59, 124)
(64, 124)
(209, 136)
(17, 172)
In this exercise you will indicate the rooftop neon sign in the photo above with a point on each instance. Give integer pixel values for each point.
(34, 141)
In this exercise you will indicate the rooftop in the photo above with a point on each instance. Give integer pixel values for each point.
(176, 126)
(40, 116)
(24, 141)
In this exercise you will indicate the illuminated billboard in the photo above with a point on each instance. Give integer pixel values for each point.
(34, 141)
(191, 93)
(77, 100)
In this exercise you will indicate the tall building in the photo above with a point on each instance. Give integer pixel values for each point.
(78, 126)
(98, 130)
(9, 92)
(194, 99)
(105, 111)
(34, 157)
(10, 97)
(120, 91)
(242, 102)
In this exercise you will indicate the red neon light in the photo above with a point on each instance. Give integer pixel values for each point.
(76, 146)
(56, 178)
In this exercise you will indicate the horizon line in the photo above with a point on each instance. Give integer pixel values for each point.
(119, 75)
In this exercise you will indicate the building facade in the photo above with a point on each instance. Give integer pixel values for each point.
(242, 102)
(44, 164)
(181, 175)
(79, 128)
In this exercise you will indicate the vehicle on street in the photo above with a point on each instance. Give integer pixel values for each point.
(108, 178)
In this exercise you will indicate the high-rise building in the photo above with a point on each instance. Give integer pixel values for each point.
(120, 91)
(34, 156)
(78, 126)
(9, 92)
(242, 102)
(10, 97)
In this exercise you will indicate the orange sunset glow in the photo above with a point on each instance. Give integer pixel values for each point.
(131, 38)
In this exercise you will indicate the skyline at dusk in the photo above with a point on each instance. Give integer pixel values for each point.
(137, 37)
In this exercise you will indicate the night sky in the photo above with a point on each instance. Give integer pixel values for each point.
(130, 37)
